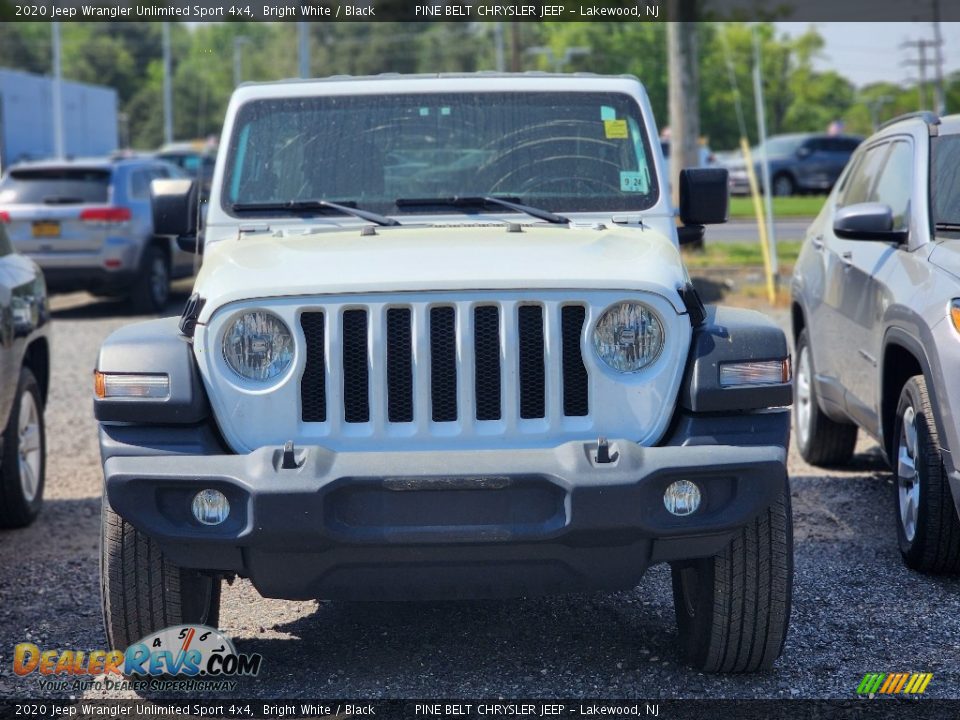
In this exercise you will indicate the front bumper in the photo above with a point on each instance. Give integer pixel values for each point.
(405, 525)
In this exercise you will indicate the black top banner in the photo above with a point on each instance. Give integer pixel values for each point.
(477, 10)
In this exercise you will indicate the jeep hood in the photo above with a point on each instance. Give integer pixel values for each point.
(323, 262)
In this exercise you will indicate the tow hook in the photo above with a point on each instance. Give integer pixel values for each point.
(603, 452)
(289, 457)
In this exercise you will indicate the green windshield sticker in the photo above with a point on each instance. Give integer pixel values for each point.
(633, 182)
(424, 112)
(445, 111)
(607, 113)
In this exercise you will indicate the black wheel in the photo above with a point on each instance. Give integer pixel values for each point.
(23, 466)
(821, 441)
(141, 591)
(927, 526)
(152, 288)
(783, 185)
(733, 609)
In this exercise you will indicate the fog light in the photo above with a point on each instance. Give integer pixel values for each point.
(210, 507)
(682, 498)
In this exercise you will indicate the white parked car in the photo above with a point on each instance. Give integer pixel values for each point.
(443, 344)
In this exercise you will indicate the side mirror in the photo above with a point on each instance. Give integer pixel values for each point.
(867, 221)
(175, 206)
(704, 196)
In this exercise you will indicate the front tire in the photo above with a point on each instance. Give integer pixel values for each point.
(733, 609)
(23, 465)
(142, 591)
(821, 441)
(928, 530)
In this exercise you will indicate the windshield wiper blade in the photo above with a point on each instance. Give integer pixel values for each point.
(295, 205)
(947, 226)
(478, 201)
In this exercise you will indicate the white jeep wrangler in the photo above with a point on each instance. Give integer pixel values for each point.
(443, 344)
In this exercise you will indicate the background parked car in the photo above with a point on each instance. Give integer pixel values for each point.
(88, 224)
(24, 379)
(798, 163)
(876, 318)
(196, 159)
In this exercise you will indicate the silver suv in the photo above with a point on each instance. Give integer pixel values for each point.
(88, 225)
(876, 321)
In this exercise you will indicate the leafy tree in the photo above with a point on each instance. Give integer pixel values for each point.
(128, 57)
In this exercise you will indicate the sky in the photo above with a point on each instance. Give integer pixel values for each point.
(871, 52)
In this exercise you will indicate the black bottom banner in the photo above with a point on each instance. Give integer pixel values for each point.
(854, 709)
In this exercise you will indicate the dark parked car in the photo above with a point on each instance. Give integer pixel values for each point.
(88, 225)
(798, 163)
(24, 378)
(876, 321)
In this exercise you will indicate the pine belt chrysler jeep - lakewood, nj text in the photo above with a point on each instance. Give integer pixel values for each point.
(442, 344)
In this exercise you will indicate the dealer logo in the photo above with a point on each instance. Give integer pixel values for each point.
(179, 652)
(189, 651)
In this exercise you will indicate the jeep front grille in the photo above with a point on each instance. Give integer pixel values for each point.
(447, 362)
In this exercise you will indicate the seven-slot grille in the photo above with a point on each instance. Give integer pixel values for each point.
(475, 356)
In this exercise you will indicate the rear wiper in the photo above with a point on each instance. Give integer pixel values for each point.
(479, 202)
(308, 205)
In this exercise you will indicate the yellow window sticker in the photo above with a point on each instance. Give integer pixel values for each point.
(615, 129)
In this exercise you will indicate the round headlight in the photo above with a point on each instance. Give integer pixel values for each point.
(628, 336)
(258, 346)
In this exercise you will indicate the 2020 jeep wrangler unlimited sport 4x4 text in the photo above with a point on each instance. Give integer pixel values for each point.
(399, 376)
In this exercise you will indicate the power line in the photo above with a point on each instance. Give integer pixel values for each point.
(922, 61)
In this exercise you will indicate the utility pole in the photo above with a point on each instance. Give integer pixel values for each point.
(684, 91)
(58, 139)
(938, 59)
(923, 60)
(498, 44)
(303, 32)
(515, 47)
(167, 87)
(238, 42)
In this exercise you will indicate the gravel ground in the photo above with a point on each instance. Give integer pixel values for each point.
(856, 608)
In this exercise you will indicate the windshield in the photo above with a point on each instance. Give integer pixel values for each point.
(560, 151)
(945, 180)
(55, 186)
